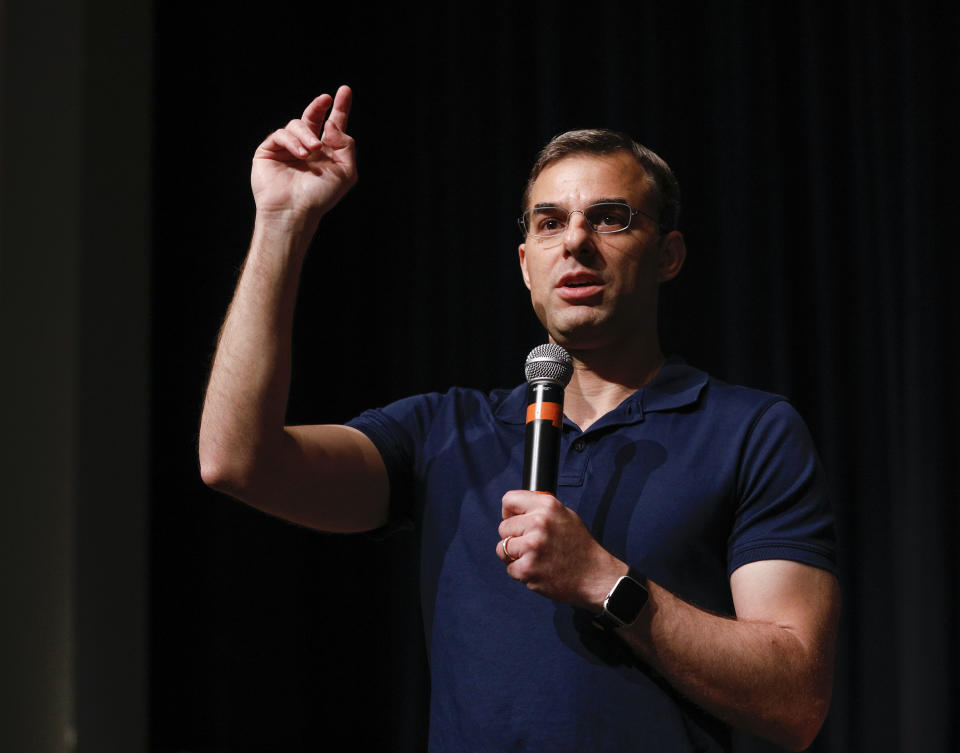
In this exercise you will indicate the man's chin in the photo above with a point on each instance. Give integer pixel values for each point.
(581, 336)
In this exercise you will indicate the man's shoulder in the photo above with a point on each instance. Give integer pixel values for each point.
(739, 395)
(461, 396)
(680, 384)
(455, 405)
(766, 421)
(722, 409)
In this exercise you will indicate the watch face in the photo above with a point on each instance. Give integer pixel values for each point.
(626, 600)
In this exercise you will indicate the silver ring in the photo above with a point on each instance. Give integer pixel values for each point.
(507, 554)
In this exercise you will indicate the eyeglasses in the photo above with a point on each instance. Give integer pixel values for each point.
(606, 217)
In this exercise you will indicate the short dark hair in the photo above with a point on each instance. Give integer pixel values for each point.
(666, 189)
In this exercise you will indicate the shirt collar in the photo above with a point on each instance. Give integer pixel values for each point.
(675, 386)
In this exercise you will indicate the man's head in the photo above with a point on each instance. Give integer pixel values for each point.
(599, 212)
(665, 190)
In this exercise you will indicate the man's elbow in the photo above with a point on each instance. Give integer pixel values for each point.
(224, 471)
(217, 475)
(213, 473)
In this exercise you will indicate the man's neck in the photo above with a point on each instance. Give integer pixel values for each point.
(604, 378)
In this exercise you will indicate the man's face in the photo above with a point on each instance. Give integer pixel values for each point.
(592, 290)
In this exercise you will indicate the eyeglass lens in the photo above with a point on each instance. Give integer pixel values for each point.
(603, 218)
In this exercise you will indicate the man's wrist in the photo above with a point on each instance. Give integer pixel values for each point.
(602, 582)
(288, 219)
(286, 227)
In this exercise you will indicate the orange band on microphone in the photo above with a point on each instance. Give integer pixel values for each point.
(552, 412)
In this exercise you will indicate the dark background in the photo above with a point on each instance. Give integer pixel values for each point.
(815, 145)
(816, 153)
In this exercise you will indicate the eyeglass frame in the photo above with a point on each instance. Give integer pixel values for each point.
(633, 213)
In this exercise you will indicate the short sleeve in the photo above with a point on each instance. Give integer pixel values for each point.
(782, 511)
(398, 432)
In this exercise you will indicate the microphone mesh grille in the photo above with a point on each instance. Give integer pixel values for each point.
(549, 362)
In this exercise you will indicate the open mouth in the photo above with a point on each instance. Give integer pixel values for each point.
(579, 280)
(580, 289)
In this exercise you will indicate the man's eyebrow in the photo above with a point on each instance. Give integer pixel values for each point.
(601, 200)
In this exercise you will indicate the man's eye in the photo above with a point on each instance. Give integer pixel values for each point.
(549, 224)
(610, 218)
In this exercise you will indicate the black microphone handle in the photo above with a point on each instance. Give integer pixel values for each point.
(541, 458)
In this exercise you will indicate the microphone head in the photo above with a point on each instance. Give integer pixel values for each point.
(549, 363)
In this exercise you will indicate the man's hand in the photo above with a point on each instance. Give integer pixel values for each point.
(305, 168)
(550, 550)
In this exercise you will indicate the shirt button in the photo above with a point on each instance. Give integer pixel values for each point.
(579, 445)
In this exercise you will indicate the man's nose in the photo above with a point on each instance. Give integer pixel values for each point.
(578, 236)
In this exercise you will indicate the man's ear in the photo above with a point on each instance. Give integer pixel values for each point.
(672, 255)
(523, 265)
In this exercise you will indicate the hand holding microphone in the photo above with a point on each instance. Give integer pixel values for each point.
(544, 544)
(548, 370)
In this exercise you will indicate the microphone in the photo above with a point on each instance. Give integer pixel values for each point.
(548, 370)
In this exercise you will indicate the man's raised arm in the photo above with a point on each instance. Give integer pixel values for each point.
(326, 477)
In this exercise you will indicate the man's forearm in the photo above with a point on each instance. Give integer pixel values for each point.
(762, 677)
(245, 404)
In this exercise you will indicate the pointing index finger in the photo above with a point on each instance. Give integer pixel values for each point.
(341, 107)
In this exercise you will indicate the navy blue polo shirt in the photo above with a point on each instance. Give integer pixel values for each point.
(686, 480)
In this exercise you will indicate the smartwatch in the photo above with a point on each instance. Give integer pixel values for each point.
(624, 602)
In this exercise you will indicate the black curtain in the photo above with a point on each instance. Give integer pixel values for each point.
(816, 148)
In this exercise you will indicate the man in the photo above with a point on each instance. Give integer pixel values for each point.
(678, 586)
